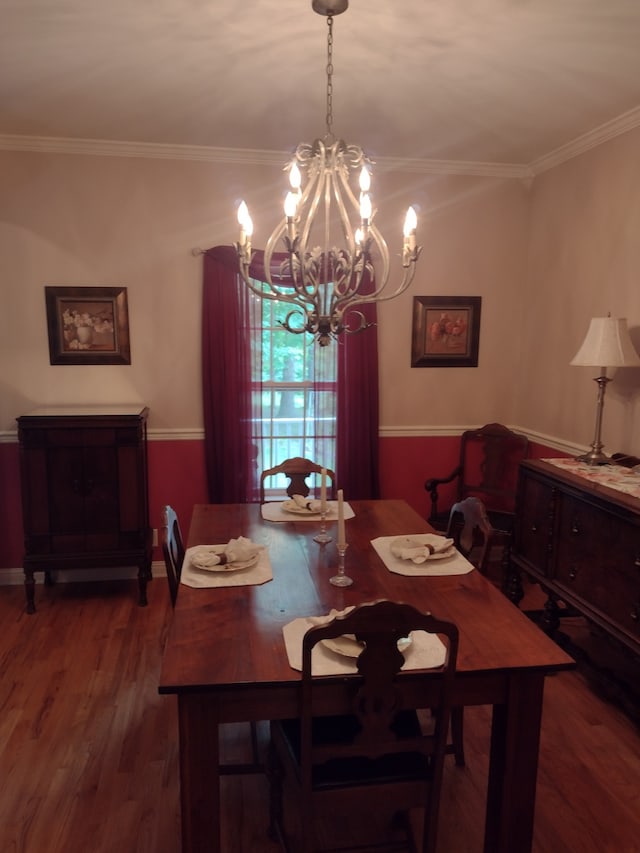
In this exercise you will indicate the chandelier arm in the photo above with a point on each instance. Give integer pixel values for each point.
(363, 324)
(376, 296)
(274, 294)
(305, 295)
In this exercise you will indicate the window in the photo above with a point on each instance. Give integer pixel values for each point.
(294, 394)
(228, 331)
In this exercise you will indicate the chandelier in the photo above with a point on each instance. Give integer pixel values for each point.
(332, 258)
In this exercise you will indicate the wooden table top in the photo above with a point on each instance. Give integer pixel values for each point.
(232, 636)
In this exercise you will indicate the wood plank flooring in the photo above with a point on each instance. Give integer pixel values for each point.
(88, 749)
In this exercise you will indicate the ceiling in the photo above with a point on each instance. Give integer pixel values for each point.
(475, 81)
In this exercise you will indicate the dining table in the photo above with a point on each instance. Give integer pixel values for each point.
(226, 661)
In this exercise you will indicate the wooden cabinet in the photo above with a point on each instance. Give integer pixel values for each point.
(581, 541)
(84, 491)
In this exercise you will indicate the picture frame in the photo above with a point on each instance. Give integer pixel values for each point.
(445, 331)
(88, 325)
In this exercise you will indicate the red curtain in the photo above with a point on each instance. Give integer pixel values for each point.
(357, 468)
(226, 379)
(227, 393)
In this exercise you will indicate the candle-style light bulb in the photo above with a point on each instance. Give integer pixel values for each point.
(295, 178)
(410, 223)
(365, 207)
(409, 232)
(290, 205)
(365, 180)
(246, 225)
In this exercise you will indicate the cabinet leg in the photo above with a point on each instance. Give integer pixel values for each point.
(144, 574)
(551, 617)
(30, 591)
(512, 581)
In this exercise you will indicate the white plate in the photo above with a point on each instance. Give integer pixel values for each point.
(349, 647)
(292, 506)
(403, 542)
(235, 566)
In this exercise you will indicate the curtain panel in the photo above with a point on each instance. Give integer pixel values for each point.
(228, 315)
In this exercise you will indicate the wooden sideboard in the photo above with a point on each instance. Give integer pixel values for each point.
(84, 491)
(580, 541)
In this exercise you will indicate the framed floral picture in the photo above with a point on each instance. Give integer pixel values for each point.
(445, 331)
(88, 325)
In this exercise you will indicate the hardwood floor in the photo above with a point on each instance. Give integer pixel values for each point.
(88, 749)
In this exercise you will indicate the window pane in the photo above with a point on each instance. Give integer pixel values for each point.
(298, 399)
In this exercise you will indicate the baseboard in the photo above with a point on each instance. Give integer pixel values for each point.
(15, 577)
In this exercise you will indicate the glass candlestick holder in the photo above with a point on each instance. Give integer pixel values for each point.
(323, 537)
(341, 579)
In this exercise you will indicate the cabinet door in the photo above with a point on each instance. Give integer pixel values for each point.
(83, 486)
(598, 561)
(535, 522)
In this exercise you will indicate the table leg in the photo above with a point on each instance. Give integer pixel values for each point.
(513, 769)
(199, 774)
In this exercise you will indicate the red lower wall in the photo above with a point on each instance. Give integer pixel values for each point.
(177, 477)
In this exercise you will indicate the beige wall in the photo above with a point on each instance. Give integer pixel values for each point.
(104, 221)
(583, 262)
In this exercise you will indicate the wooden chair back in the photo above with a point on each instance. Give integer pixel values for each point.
(297, 470)
(379, 753)
(474, 535)
(172, 544)
(487, 469)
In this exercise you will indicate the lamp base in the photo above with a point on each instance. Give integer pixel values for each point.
(594, 457)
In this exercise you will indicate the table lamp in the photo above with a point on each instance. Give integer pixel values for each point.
(607, 344)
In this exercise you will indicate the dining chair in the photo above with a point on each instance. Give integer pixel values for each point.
(297, 470)
(172, 544)
(487, 468)
(474, 535)
(378, 757)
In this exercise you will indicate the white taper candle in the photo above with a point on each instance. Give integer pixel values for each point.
(342, 539)
(323, 490)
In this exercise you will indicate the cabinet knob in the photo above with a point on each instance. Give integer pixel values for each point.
(534, 528)
(575, 528)
(573, 571)
(635, 614)
(636, 562)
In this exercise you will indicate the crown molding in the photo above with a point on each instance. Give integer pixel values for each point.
(253, 157)
(258, 157)
(616, 127)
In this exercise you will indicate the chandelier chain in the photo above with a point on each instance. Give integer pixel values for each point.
(329, 116)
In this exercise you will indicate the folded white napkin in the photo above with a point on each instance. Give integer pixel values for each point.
(407, 548)
(331, 615)
(235, 551)
(305, 503)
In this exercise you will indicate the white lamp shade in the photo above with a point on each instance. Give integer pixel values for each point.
(607, 344)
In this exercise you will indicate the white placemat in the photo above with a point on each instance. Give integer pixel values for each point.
(272, 511)
(456, 565)
(425, 652)
(260, 573)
